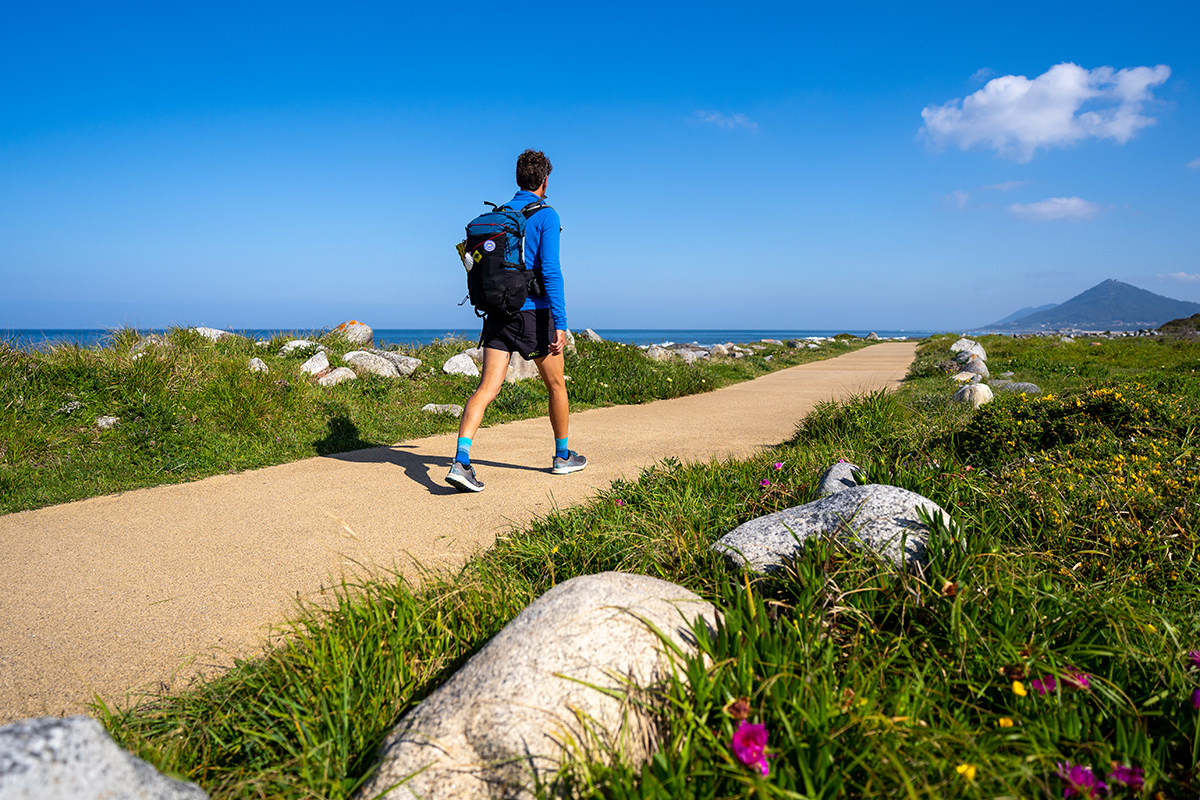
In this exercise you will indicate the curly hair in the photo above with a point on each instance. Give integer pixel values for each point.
(532, 169)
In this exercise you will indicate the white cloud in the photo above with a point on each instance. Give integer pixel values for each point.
(983, 73)
(1194, 164)
(1179, 277)
(958, 198)
(723, 121)
(1016, 116)
(1070, 209)
(1006, 186)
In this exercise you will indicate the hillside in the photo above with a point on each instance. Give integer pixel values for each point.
(1108, 306)
(1021, 313)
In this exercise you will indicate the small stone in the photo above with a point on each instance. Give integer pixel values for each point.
(775, 342)
(570, 347)
(258, 365)
(839, 477)
(300, 344)
(263, 343)
(718, 350)
(335, 376)
(461, 364)
(590, 335)
(872, 337)
(357, 332)
(768, 358)
(73, 758)
(520, 369)
(976, 394)
(795, 344)
(443, 408)
(875, 517)
(656, 353)
(405, 365)
(967, 377)
(812, 346)
(214, 334)
(107, 423)
(370, 362)
(318, 363)
(1016, 388)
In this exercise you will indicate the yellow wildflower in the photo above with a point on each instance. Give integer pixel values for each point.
(966, 770)
(1019, 689)
(1006, 722)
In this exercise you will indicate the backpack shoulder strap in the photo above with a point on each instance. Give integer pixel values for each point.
(533, 208)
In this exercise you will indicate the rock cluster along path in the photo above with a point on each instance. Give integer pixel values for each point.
(146, 588)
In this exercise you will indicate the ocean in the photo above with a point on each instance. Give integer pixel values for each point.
(90, 337)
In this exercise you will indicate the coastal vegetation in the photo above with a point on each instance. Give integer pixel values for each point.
(189, 407)
(1052, 646)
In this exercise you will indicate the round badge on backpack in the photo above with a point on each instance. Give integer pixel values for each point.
(489, 245)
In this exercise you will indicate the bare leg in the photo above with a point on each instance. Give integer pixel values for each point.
(551, 369)
(495, 367)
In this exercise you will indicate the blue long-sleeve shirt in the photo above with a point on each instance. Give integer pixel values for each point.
(541, 253)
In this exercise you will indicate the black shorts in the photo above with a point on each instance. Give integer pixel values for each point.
(526, 332)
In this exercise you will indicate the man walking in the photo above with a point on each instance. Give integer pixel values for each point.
(538, 331)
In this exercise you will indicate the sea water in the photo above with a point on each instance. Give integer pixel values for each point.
(92, 337)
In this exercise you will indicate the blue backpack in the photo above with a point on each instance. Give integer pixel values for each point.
(494, 255)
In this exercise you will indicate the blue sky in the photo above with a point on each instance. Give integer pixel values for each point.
(716, 165)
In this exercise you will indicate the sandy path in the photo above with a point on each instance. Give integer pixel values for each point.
(142, 588)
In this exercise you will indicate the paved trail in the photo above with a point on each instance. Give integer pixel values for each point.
(144, 588)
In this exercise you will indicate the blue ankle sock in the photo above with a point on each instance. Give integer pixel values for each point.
(560, 448)
(463, 456)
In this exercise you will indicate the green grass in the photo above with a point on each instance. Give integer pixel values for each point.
(193, 409)
(870, 683)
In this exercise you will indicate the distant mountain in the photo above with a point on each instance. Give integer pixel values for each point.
(1024, 312)
(1109, 306)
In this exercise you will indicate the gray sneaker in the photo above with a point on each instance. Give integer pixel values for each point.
(463, 478)
(572, 463)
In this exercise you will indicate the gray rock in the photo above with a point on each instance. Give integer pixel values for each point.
(215, 334)
(357, 332)
(107, 423)
(795, 343)
(966, 377)
(656, 353)
(520, 369)
(976, 394)
(768, 358)
(772, 341)
(263, 343)
(571, 348)
(318, 363)
(369, 362)
(692, 356)
(258, 365)
(151, 340)
(590, 335)
(839, 477)
(461, 364)
(405, 365)
(335, 376)
(812, 346)
(73, 758)
(962, 344)
(739, 354)
(300, 344)
(476, 354)
(1007, 374)
(1066, 340)
(1016, 388)
(872, 337)
(443, 408)
(542, 690)
(875, 517)
(718, 350)
(977, 366)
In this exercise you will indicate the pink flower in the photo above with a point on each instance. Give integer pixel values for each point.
(1133, 777)
(1080, 781)
(1044, 686)
(1194, 657)
(1196, 699)
(842, 461)
(764, 482)
(778, 465)
(1077, 679)
(620, 502)
(750, 745)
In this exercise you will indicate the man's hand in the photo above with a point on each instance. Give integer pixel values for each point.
(559, 344)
